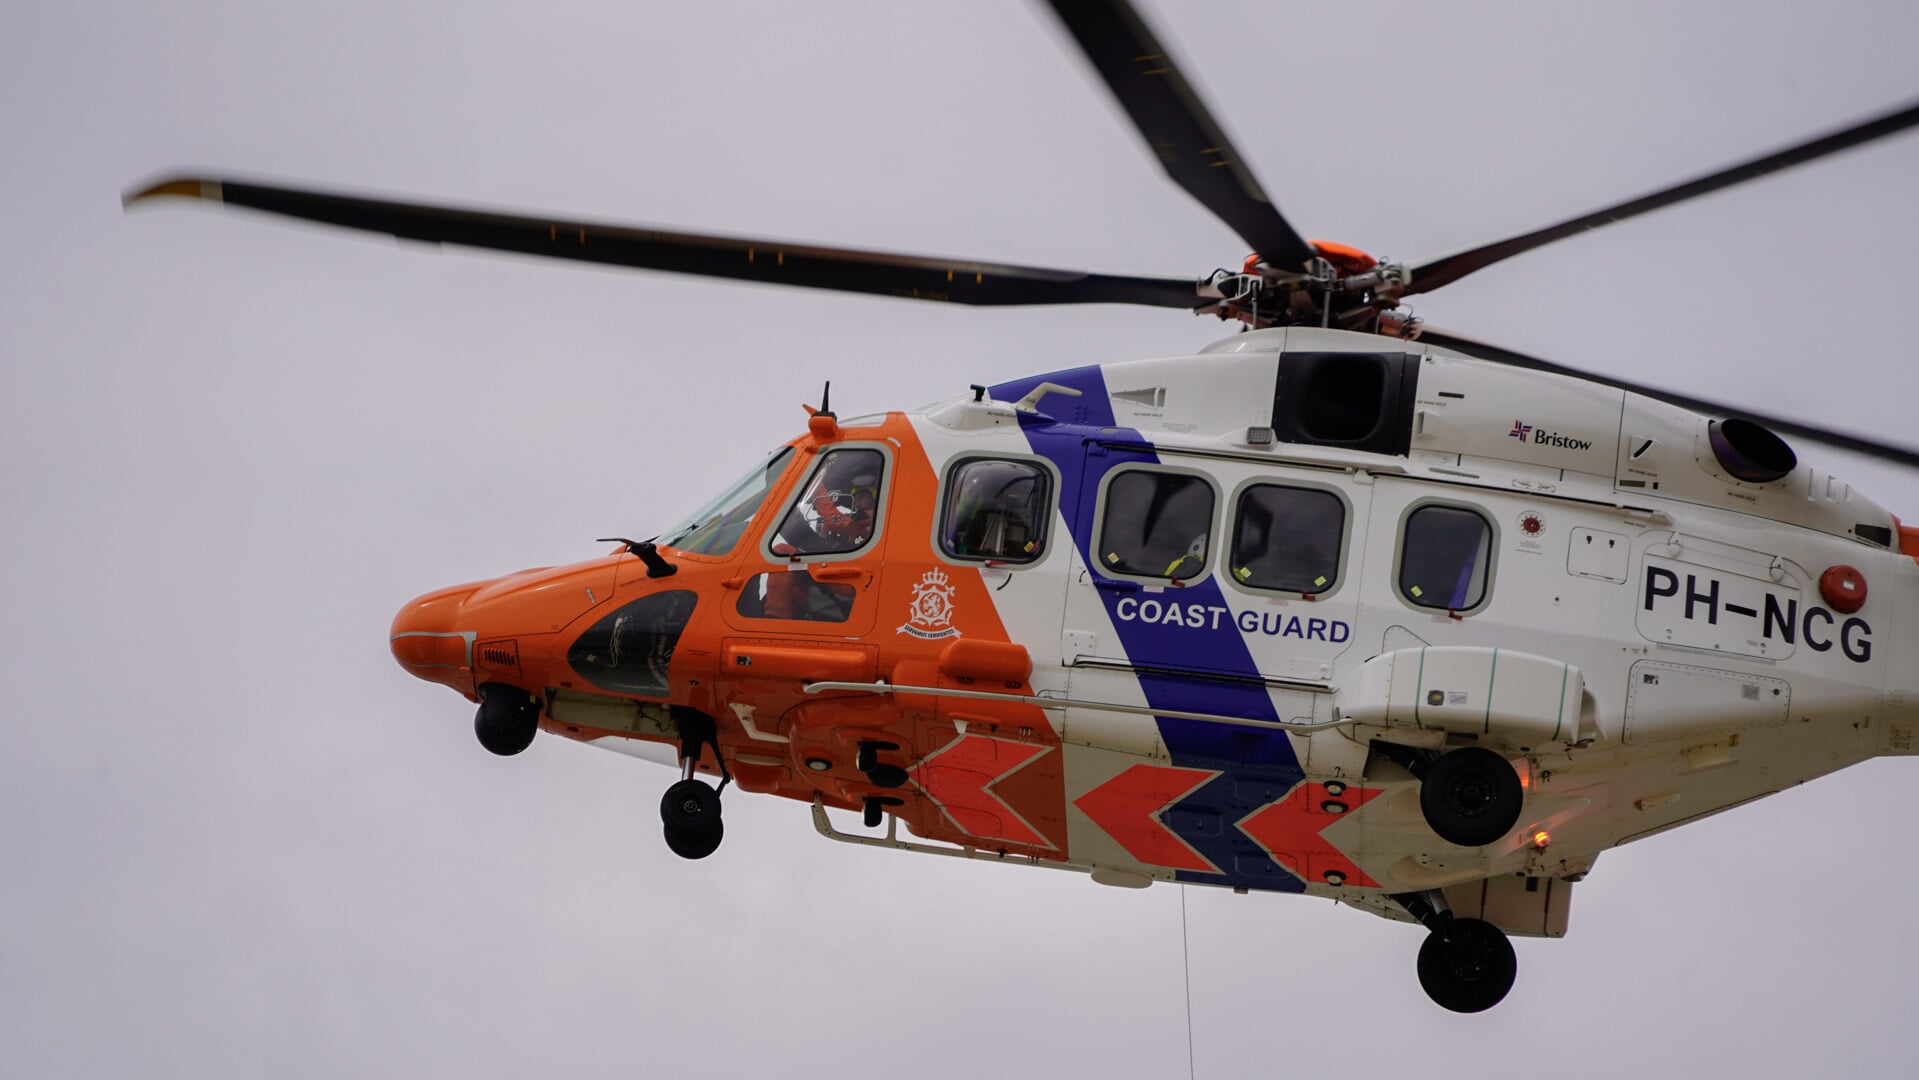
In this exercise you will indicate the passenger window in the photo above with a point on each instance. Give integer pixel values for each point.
(1288, 538)
(1156, 525)
(793, 594)
(996, 510)
(837, 506)
(1444, 557)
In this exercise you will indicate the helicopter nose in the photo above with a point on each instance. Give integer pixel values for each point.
(429, 640)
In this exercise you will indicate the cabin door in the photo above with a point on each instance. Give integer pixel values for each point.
(817, 571)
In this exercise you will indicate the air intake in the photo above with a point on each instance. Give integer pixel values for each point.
(1749, 452)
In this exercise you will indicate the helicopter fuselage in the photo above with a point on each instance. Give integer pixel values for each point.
(1208, 619)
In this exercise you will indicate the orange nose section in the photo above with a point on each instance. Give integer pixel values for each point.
(429, 641)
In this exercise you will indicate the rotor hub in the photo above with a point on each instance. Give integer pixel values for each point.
(1341, 287)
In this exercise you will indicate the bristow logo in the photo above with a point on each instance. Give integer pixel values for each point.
(930, 615)
(1525, 432)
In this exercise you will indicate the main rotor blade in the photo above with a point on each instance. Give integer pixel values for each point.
(1450, 268)
(768, 261)
(1178, 127)
(1893, 452)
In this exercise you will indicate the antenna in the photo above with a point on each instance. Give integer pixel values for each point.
(823, 424)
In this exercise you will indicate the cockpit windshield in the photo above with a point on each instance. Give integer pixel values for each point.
(713, 529)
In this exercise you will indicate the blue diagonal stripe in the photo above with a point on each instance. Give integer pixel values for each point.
(1257, 766)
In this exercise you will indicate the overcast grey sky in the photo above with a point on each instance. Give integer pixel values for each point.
(239, 841)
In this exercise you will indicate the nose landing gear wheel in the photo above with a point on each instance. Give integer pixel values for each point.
(691, 813)
(508, 719)
(1471, 796)
(1468, 967)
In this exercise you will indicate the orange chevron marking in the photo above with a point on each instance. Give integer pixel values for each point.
(960, 777)
(1290, 830)
(1128, 808)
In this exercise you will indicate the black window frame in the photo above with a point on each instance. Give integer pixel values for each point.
(1104, 507)
(1233, 535)
(1047, 507)
(1491, 535)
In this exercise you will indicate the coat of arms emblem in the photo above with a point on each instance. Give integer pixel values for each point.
(930, 615)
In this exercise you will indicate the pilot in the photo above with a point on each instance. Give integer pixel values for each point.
(839, 514)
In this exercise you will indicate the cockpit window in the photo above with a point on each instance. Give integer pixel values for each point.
(1156, 524)
(996, 510)
(838, 506)
(630, 650)
(713, 529)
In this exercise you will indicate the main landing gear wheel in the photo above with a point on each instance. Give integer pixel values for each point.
(508, 719)
(1471, 796)
(696, 846)
(691, 813)
(1468, 966)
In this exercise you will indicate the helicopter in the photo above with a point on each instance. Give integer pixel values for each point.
(1236, 619)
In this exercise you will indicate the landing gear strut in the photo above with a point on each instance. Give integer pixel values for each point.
(508, 719)
(690, 810)
(879, 774)
(1465, 965)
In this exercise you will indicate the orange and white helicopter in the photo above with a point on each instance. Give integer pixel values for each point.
(1342, 605)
